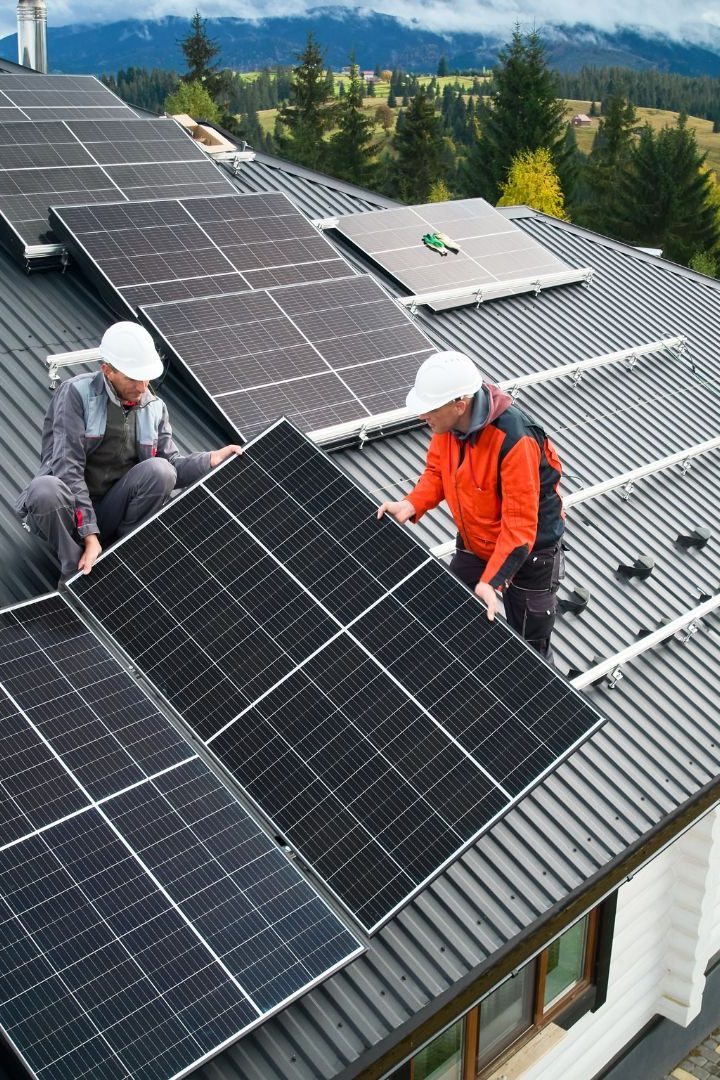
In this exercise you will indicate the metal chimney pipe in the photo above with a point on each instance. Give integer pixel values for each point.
(32, 34)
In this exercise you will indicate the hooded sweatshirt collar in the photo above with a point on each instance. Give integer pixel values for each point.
(488, 403)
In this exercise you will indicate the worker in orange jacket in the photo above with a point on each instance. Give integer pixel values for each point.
(499, 474)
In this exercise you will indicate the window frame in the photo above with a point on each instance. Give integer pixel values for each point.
(598, 939)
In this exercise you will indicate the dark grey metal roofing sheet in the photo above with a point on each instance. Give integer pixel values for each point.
(612, 792)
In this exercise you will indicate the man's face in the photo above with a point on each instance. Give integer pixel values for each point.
(445, 417)
(125, 388)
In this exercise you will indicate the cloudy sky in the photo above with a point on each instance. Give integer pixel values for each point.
(692, 20)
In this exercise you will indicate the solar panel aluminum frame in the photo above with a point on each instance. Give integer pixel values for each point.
(195, 751)
(271, 823)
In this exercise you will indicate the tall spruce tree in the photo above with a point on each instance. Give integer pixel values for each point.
(524, 114)
(307, 116)
(594, 202)
(664, 197)
(200, 52)
(351, 150)
(420, 152)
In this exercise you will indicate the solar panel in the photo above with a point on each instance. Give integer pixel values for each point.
(93, 161)
(160, 250)
(60, 97)
(145, 919)
(320, 354)
(492, 248)
(353, 687)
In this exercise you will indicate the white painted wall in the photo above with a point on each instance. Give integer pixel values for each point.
(667, 928)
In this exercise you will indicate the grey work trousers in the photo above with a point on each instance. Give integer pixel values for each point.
(50, 508)
(531, 597)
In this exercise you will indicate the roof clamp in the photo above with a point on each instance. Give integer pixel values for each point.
(692, 628)
(576, 376)
(614, 677)
(537, 286)
(514, 392)
(478, 297)
(632, 361)
(627, 491)
(685, 466)
(363, 436)
(64, 259)
(53, 373)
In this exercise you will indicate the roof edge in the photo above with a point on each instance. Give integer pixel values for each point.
(442, 1010)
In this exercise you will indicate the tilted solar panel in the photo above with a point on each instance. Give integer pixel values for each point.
(145, 919)
(320, 354)
(353, 687)
(93, 161)
(242, 242)
(490, 248)
(60, 97)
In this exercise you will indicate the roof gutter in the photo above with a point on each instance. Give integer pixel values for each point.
(406, 1040)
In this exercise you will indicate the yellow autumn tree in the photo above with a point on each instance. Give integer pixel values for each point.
(532, 181)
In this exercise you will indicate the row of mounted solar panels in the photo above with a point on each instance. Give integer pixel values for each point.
(59, 162)
(145, 917)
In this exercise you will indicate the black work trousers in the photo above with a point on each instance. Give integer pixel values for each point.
(531, 597)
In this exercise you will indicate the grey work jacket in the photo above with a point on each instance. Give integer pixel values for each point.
(74, 427)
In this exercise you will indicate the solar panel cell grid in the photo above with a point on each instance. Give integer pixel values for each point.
(265, 354)
(386, 723)
(492, 248)
(151, 920)
(296, 253)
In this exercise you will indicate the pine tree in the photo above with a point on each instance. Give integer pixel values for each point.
(609, 157)
(351, 150)
(199, 52)
(392, 100)
(420, 151)
(664, 198)
(533, 181)
(192, 98)
(307, 117)
(525, 115)
(442, 68)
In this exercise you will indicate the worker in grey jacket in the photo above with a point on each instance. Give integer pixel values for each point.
(108, 456)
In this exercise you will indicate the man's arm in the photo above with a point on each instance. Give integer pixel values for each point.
(189, 467)
(69, 456)
(520, 484)
(426, 495)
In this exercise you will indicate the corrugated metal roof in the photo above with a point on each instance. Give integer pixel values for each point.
(633, 774)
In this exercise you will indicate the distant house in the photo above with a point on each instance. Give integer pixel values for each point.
(581, 120)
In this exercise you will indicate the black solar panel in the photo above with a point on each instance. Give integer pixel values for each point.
(492, 248)
(320, 354)
(254, 240)
(145, 919)
(94, 161)
(352, 686)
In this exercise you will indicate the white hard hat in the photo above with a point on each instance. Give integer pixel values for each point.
(129, 348)
(441, 378)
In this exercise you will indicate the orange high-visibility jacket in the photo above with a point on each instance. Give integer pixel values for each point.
(500, 485)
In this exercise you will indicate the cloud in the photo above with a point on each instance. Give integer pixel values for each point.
(693, 20)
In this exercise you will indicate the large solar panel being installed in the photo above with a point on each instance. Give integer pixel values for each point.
(320, 354)
(252, 240)
(92, 161)
(145, 919)
(352, 686)
(492, 248)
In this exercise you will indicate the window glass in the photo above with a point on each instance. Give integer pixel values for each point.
(505, 1014)
(442, 1059)
(566, 963)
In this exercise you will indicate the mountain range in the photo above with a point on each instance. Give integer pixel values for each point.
(377, 39)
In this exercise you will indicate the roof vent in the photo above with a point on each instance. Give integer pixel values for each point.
(697, 538)
(576, 602)
(642, 568)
